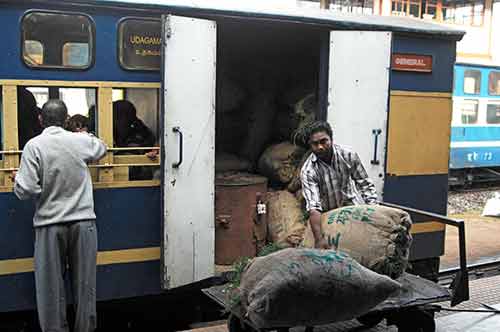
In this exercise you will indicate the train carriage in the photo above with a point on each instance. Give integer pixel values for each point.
(383, 83)
(475, 133)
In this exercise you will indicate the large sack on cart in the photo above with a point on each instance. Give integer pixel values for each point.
(307, 287)
(286, 221)
(376, 236)
(279, 162)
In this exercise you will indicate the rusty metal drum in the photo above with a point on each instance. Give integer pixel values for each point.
(239, 230)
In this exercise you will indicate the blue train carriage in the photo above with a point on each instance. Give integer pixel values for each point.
(383, 83)
(475, 133)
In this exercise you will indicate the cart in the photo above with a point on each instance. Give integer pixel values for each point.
(411, 309)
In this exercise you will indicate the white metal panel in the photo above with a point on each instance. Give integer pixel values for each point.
(189, 97)
(358, 95)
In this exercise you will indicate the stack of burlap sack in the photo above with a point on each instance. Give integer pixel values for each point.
(306, 286)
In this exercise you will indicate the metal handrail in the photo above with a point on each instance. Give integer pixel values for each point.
(108, 148)
(460, 284)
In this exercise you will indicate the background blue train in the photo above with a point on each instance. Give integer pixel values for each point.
(475, 131)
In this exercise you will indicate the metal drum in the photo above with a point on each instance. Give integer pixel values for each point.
(239, 230)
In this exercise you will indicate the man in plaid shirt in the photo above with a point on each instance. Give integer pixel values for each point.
(332, 177)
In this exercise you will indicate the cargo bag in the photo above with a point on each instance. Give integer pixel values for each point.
(286, 221)
(279, 162)
(376, 236)
(307, 287)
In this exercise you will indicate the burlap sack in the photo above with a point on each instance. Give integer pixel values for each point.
(307, 287)
(296, 184)
(285, 219)
(295, 116)
(376, 236)
(226, 162)
(279, 162)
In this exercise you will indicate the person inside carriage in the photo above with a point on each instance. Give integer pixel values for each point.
(130, 131)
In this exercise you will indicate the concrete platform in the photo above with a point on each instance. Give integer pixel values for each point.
(481, 239)
(469, 322)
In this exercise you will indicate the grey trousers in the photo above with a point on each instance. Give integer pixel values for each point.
(72, 244)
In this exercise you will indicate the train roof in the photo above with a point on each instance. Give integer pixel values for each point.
(283, 11)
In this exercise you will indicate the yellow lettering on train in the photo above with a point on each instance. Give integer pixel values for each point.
(145, 40)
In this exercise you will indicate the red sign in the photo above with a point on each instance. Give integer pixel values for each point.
(412, 62)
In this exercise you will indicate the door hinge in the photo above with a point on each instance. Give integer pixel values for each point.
(168, 29)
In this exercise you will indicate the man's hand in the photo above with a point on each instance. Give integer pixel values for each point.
(152, 155)
(12, 175)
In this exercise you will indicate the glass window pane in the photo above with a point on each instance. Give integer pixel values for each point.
(415, 9)
(469, 112)
(140, 44)
(75, 54)
(494, 83)
(70, 37)
(493, 113)
(472, 81)
(33, 52)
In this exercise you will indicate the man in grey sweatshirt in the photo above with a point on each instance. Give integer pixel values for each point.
(54, 173)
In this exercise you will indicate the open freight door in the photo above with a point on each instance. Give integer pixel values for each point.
(189, 55)
(358, 96)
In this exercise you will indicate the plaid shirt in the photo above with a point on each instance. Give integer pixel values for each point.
(342, 182)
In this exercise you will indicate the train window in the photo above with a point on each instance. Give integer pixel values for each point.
(139, 44)
(136, 129)
(81, 108)
(57, 40)
(469, 111)
(493, 113)
(494, 83)
(472, 81)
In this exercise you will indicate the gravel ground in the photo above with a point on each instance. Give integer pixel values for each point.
(463, 202)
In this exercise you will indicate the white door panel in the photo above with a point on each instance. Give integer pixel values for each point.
(189, 118)
(358, 96)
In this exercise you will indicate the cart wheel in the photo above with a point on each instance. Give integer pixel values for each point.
(417, 321)
(371, 319)
(234, 324)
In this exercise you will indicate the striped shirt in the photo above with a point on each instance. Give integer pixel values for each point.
(342, 182)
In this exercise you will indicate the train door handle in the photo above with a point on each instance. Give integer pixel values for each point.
(179, 162)
(376, 133)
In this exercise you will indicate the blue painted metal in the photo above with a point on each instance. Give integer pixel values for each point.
(458, 90)
(106, 67)
(425, 245)
(443, 57)
(126, 218)
(471, 157)
(113, 282)
(423, 192)
(475, 133)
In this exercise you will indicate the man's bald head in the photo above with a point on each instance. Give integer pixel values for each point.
(54, 113)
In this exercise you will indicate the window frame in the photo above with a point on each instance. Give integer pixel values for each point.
(92, 40)
(480, 82)
(119, 43)
(440, 8)
(474, 102)
(489, 81)
(497, 104)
